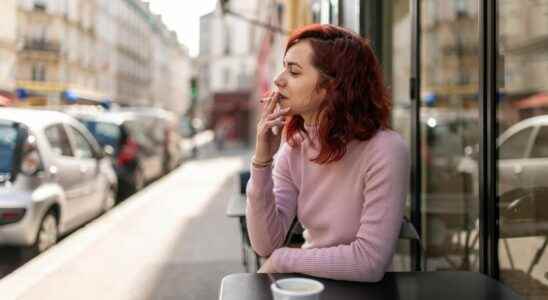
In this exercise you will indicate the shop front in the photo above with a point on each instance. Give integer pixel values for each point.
(469, 92)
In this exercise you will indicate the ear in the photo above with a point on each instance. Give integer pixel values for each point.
(321, 92)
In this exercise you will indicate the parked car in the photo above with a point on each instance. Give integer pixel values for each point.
(523, 156)
(522, 171)
(187, 132)
(173, 140)
(53, 177)
(136, 141)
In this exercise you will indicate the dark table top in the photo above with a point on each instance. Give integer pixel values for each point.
(401, 285)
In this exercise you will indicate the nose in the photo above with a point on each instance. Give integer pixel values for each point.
(279, 80)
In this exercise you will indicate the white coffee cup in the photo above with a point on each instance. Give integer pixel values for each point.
(297, 289)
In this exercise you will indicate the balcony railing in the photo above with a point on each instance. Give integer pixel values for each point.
(42, 45)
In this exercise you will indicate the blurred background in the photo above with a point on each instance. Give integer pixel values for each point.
(151, 93)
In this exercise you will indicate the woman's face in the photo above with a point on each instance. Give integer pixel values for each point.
(297, 82)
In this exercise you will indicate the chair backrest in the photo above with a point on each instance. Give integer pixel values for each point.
(408, 232)
(244, 178)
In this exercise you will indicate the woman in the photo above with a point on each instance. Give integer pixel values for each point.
(340, 170)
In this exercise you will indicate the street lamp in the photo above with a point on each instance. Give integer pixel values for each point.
(227, 11)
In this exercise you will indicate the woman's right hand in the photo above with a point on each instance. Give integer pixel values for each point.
(267, 143)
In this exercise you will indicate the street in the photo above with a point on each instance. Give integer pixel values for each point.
(170, 241)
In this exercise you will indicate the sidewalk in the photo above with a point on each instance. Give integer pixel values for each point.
(171, 241)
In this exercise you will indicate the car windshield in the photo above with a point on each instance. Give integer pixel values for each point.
(105, 133)
(8, 140)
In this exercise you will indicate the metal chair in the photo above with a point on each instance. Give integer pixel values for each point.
(408, 232)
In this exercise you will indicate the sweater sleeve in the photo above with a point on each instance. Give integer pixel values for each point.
(271, 204)
(370, 254)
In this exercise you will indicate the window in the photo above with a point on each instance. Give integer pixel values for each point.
(38, 72)
(39, 5)
(540, 147)
(58, 140)
(8, 139)
(350, 9)
(514, 147)
(334, 12)
(105, 133)
(82, 148)
(316, 11)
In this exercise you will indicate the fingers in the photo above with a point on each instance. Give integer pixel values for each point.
(274, 123)
(271, 104)
(266, 96)
(280, 113)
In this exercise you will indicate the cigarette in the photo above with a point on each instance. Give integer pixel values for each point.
(275, 96)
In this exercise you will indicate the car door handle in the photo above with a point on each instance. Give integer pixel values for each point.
(518, 169)
(53, 172)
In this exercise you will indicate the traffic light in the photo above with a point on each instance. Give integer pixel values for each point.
(194, 88)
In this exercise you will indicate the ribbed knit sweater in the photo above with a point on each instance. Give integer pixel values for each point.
(351, 209)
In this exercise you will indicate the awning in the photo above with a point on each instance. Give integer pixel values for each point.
(537, 100)
(5, 101)
(79, 96)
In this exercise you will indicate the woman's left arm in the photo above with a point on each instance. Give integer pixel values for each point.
(369, 255)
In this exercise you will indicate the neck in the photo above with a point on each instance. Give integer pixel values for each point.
(310, 120)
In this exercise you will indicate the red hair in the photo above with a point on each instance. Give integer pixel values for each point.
(356, 104)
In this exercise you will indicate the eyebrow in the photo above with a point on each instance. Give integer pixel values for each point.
(291, 63)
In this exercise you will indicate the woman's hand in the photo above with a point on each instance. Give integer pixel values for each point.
(267, 267)
(267, 142)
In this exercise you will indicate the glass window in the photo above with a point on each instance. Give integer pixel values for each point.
(449, 133)
(350, 9)
(522, 61)
(138, 132)
(58, 140)
(397, 71)
(325, 11)
(514, 147)
(105, 133)
(82, 148)
(8, 140)
(334, 12)
(316, 11)
(540, 147)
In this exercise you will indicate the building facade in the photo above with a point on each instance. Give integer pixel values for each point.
(99, 51)
(469, 96)
(226, 66)
(8, 48)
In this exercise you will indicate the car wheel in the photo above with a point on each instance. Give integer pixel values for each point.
(138, 180)
(110, 200)
(47, 234)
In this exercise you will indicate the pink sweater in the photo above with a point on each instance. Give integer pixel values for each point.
(351, 210)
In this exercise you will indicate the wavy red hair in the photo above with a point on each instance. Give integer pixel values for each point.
(357, 103)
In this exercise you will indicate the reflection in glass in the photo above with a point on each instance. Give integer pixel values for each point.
(397, 68)
(522, 113)
(449, 132)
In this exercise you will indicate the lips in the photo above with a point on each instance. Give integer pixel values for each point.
(280, 97)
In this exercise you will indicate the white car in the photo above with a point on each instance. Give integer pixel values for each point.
(53, 177)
